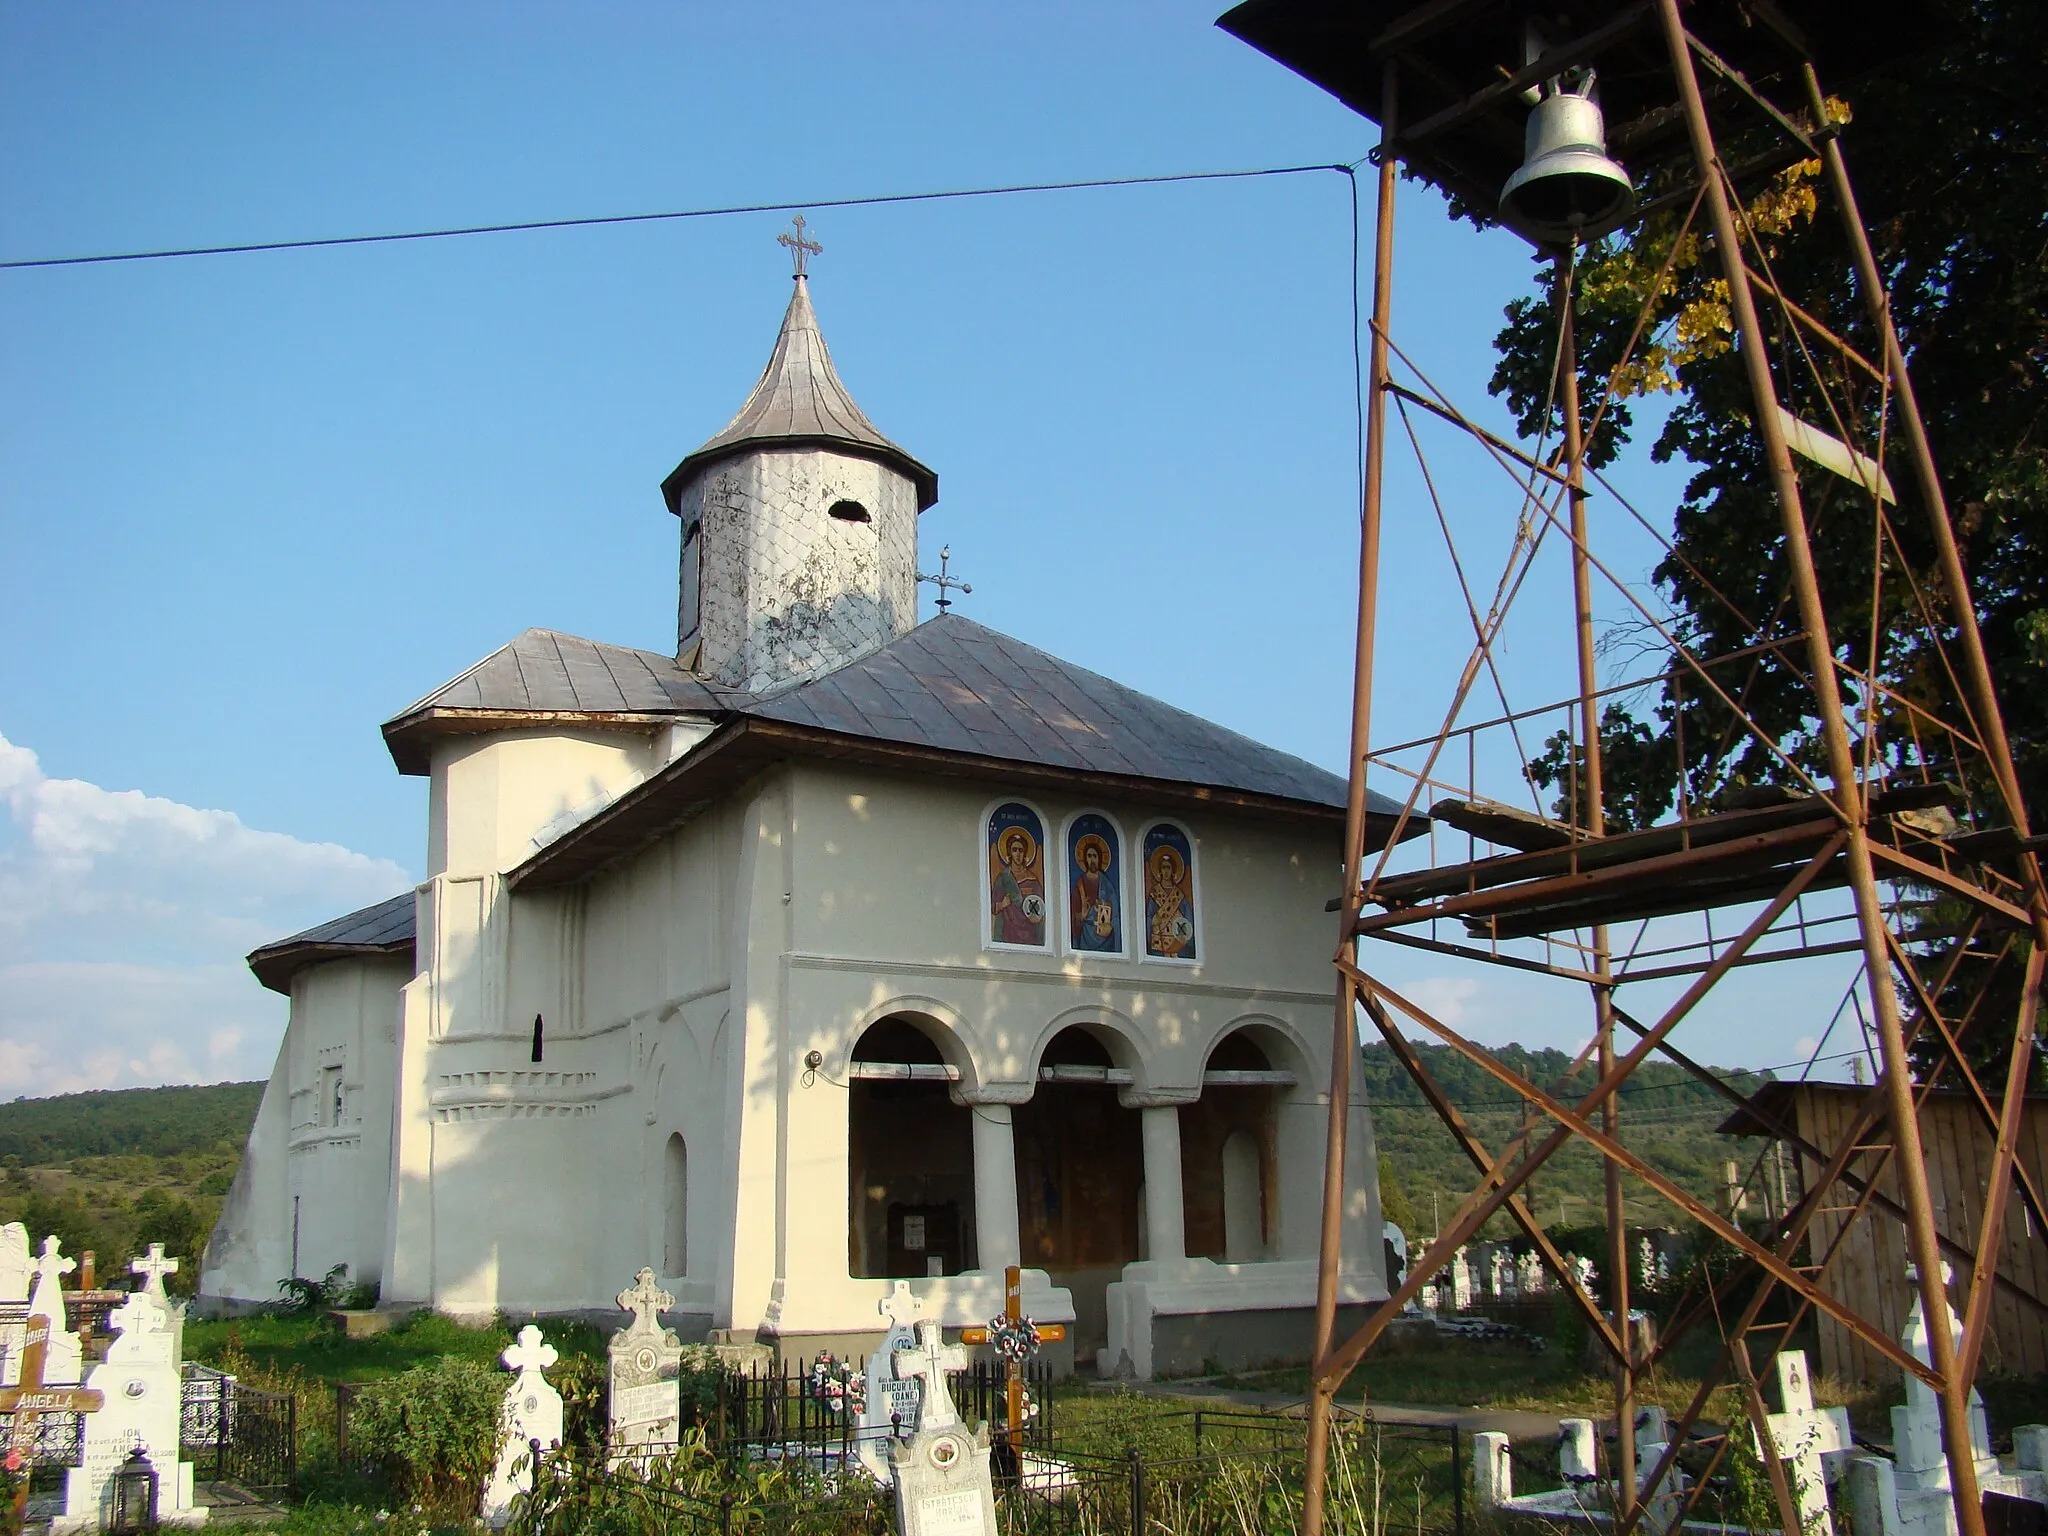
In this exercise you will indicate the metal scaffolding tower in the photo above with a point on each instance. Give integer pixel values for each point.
(1896, 800)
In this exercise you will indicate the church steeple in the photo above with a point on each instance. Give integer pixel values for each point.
(799, 522)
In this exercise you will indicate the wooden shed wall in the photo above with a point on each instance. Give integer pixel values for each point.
(1870, 1271)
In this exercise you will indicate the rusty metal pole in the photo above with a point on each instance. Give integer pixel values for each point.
(1344, 1032)
(1593, 816)
(1922, 1243)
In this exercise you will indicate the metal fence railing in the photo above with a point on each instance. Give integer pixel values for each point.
(1204, 1473)
(234, 1433)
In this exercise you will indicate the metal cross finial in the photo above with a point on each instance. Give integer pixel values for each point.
(944, 582)
(800, 247)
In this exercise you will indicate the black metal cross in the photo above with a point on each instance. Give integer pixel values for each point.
(943, 581)
(800, 248)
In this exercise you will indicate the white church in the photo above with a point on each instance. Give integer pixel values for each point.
(832, 949)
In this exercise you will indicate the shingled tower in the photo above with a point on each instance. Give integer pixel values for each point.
(799, 525)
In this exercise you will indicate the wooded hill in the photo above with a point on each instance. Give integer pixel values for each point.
(153, 1122)
(1668, 1117)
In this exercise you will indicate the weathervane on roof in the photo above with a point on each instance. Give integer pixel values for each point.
(800, 248)
(944, 582)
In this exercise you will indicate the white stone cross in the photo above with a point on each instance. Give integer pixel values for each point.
(901, 1307)
(646, 1301)
(530, 1353)
(48, 1297)
(1802, 1435)
(929, 1363)
(153, 1268)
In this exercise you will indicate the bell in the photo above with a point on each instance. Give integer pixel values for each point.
(1567, 186)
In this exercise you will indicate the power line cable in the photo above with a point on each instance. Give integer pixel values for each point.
(596, 220)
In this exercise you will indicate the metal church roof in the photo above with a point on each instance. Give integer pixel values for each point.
(384, 929)
(551, 677)
(800, 401)
(955, 699)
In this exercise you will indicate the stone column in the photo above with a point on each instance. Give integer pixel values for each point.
(1165, 1224)
(995, 1189)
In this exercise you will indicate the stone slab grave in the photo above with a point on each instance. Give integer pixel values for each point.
(646, 1369)
(943, 1481)
(532, 1411)
(140, 1383)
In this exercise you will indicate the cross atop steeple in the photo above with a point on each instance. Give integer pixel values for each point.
(799, 247)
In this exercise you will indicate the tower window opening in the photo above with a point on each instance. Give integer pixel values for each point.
(538, 1042)
(849, 512)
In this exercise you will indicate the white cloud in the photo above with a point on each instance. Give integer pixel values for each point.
(1444, 998)
(123, 921)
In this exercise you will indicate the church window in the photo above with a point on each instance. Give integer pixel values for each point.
(1014, 846)
(1095, 885)
(538, 1042)
(693, 563)
(336, 1095)
(675, 1207)
(849, 512)
(1167, 871)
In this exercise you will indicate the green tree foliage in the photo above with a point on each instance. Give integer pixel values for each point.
(433, 1430)
(1668, 1116)
(160, 1122)
(1949, 152)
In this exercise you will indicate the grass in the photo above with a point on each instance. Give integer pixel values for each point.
(318, 1352)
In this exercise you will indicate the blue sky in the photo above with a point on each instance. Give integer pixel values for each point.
(253, 505)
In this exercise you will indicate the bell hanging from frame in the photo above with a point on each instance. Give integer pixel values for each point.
(1567, 187)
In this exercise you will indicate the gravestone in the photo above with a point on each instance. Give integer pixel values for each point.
(1916, 1427)
(646, 1366)
(1461, 1282)
(33, 1399)
(889, 1407)
(64, 1360)
(532, 1411)
(944, 1486)
(140, 1383)
(1530, 1279)
(1812, 1442)
(1653, 1438)
(17, 1269)
(1499, 1276)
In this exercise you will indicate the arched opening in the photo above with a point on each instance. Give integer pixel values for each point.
(675, 1207)
(1229, 1153)
(1080, 1174)
(849, 512)
(909, 1158)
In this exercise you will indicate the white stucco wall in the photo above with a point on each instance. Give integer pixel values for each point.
(786, 589)
(333, 1172)
(682, 989)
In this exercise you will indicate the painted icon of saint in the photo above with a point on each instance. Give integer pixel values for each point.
(1016, 878)
(1169, 895)
(1095, 908)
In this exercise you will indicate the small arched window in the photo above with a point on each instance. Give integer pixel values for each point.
(675, 1207)
(848, 512)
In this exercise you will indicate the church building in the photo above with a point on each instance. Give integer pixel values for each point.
(830, 949)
